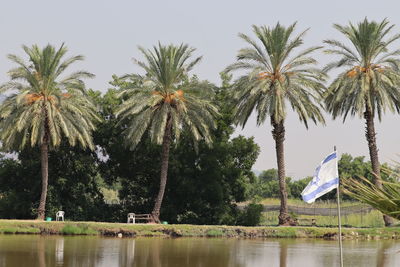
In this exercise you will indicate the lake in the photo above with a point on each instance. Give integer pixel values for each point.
(87, 251)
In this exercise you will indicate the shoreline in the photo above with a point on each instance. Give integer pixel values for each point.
(186, 230)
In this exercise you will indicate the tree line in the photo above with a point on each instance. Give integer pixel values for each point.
(166, 108)
(266, 184)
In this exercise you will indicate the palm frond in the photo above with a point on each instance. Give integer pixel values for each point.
(43, 103)
(369, 75)
(163, 93)
(386, 199)
(275, 78)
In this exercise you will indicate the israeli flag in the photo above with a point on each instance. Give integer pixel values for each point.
(326, 178)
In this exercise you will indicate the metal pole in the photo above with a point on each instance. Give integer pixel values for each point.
(339, 219)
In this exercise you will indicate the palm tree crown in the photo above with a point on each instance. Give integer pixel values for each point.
(275, 78)
(162, 96)
(371, 74)
(42, 106)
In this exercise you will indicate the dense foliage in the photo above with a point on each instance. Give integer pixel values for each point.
(266, 184)
(204, 183)
(74, 187)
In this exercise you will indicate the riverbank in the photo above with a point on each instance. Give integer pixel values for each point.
(184, 230)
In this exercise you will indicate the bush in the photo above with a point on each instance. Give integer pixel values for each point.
(251, 215)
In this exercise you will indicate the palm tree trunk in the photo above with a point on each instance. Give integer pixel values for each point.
(164, 170)
(278, 134)
(373, 153)
(44, 153)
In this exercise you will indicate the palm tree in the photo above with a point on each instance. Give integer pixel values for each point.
(42, 108)
(164, 105)
(368, 83)
(275, 79)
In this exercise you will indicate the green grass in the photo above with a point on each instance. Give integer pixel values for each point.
(214, 233)
(360, 220)
(185, 230)
(19, 230)
(301, 203)
(80, 229)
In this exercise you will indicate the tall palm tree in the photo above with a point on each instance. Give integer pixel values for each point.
(42, 108)
(369, 79)
(273, 80)
(164, 105)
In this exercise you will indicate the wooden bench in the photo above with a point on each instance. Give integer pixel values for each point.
(311, 221)
(133, 217)
(144, 217)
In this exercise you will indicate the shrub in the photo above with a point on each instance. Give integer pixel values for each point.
(251, 215)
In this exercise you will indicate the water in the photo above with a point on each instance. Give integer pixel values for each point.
(46, 251)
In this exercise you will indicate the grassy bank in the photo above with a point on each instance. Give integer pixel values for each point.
(301, 203)
(370, 219)
(114, 229)
(357, 219)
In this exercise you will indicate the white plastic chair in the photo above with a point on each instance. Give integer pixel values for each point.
(60, 215)
(131, 218)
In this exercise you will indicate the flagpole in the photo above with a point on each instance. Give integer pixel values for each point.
(339, 219)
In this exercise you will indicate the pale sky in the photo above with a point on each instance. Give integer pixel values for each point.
(108, 33)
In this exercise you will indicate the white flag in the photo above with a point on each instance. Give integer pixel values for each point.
(326, 178)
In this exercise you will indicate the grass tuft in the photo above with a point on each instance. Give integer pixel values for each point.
(80, 229)
(371, 219)
(19, 230)
(214, 233)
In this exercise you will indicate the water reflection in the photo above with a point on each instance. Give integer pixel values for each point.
(184, 252)
(46, 251)
(59, 251)
(41, 251)
(283, 254)
(128, 256)
(382, 256)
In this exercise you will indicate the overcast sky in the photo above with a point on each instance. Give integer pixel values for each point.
(108, 33)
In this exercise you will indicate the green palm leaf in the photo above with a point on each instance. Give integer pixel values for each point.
(385, 199)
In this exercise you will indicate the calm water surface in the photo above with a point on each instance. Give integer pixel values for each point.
(46, 251)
